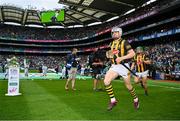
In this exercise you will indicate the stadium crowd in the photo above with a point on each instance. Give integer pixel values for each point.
(164, 58)
(20, 32)
(37, 61)
(153, 33)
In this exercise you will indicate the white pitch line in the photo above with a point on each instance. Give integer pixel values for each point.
(164, 86)
(169, 87)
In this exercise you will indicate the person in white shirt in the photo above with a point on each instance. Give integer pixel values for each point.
(44, 70)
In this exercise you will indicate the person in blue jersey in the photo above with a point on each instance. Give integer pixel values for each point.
(72, 63)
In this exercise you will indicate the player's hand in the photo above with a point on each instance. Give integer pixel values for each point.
(140, 62)
(119, 59)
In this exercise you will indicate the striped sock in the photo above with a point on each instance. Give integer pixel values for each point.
(110, 92)
(133, 93)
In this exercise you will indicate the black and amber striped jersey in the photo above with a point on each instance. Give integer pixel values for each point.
(119, 48)
(139, 59)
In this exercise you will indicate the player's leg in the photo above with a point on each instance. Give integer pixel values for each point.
(132, 92)
(27, 72)
(136, 80)
(73, 83)
(144, 81)
(24, 71)
(95, 84)
(100, 82)
(94, 81)
(67, 83)
(74, 71)
(99, 79)
(110, 75)
(94, 75)
(124, 73)
(63, 74)
(43, 71)
(69, 79)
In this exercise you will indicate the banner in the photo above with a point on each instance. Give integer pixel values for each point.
(13, 82)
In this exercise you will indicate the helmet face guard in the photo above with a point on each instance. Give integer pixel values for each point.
(116, 29)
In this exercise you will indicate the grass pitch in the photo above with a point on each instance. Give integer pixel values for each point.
(47, 99)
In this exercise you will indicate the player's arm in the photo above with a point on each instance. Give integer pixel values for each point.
(68, 58)
(132, 65)
(129, 50)
(109, 54)
(130, 53)
(147, 60)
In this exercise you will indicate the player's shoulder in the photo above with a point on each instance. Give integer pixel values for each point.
(126, 42)
(122, 40)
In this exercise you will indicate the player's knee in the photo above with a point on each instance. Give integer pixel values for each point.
(107, 81)
(128, 84)
(136, 81)
(144, 82)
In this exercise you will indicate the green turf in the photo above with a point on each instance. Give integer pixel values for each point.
(47, 99)
(30, 71)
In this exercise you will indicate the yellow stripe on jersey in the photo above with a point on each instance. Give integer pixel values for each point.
(122, 48)
(142, 65)
(138, 59)
(115, 46)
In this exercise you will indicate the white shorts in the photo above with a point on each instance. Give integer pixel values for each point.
(120, 69)
(26, 71)
(63, 72)
(142, 74)
(44, 72)
(72, 73)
